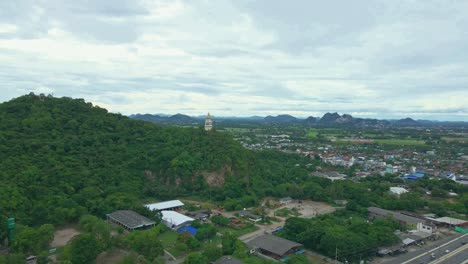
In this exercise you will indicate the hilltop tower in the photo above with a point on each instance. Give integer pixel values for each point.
(208, 123)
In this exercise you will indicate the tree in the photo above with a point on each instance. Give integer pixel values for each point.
(212, 252)
(84, 249)
(195, 258)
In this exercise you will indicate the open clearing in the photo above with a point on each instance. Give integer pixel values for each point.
(62, 236)
(111, 257)
(309, 209)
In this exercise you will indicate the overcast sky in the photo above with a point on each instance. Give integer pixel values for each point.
(376, 59)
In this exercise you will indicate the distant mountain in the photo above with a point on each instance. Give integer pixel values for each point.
(281, 119)
(310, 120)
(180, 118)
(331, 118)
(177, 119)
(406, 122)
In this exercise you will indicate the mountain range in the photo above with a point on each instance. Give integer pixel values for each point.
(328, 119)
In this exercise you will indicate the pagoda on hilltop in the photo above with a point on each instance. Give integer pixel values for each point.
(208, 123)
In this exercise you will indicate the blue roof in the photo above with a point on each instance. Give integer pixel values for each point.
(192, 230)
(414, 176)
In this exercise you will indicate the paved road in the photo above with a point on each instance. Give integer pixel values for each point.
(446, 251)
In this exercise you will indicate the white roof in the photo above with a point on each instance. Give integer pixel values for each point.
(398, 190)
(450, 220)
(408, 241)
(175, 218)
(164, 205)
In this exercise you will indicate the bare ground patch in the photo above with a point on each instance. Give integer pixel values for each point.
(62, 236)
(111, 257)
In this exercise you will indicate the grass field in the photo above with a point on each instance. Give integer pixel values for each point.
(400, 142)
(451, 139)
(396, 142)
(238, 233)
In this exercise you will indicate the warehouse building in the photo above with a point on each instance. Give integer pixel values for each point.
(175, 220)
(130, 220)
(173, 205)
(273, 246)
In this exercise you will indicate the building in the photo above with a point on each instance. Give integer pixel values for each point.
(175, 220)
(448, 221)
(286, 200)
(173, 205)
(201, 215)
(208, 123)
(130, 220)
(273, 246)
(397, 191)
(227, 260)
(414, 176)
(409, 221)
(250, 216)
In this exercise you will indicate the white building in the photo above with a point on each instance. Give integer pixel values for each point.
(208, 123)
(167, 205)
(398, 191)
(175, 220)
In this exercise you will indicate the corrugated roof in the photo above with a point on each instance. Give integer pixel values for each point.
(130, 219)
(396, 216)
(164, 205)
(450, 220)
(398, 190)
(277, 245)
(175, 218)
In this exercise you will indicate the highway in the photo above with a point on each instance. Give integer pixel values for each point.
(453, 250)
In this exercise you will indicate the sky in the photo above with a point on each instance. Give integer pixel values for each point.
(371, 59)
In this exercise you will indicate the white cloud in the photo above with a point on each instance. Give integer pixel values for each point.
(234, 58)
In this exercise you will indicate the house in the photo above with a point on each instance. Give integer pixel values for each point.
(173, 205)
(409, 221)
(130, 220)
(227, 260)
(175, 220)
(286, 200)
(273, 246)
(250, 216)
(397, 191)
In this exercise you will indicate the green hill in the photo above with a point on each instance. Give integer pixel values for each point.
(61, 157)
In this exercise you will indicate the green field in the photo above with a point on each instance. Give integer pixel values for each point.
(400, 142)
(238, 233)
(455, 139)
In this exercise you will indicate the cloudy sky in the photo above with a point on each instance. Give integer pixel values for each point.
(376, 59)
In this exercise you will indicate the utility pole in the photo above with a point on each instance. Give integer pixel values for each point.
(336, 254)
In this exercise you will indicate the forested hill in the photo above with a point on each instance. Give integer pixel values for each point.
(63, 157)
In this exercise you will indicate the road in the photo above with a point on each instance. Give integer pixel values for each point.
(447, 251)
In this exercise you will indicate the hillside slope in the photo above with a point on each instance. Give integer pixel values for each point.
(62, 157)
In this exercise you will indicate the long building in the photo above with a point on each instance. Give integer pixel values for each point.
(172, 205)
(130, 220)
(410, 221)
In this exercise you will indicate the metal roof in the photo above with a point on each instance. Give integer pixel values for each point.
(164, 205)
(450, 220)
(398, 190)
(130, 219)
(276, 245)
(396, 216)
(175, 218)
